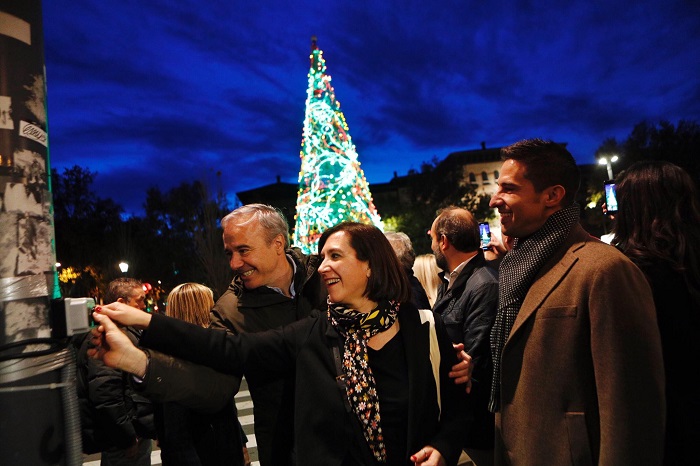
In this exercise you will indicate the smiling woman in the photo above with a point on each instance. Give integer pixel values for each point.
(371, 345)
(356, 267)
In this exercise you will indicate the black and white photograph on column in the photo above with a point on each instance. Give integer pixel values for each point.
(26, 319)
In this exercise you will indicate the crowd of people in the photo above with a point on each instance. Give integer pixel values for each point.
(546, 347)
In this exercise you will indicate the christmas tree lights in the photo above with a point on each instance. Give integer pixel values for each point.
(332, 186)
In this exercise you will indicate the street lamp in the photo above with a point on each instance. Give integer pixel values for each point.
(124, 267)
(608, 161)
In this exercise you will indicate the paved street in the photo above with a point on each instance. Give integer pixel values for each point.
(245, 415)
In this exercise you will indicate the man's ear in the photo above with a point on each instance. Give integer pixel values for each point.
(121, 300)
(443, 242)
(554, 195)
(279, 244)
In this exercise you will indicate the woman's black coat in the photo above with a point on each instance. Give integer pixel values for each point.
(324, 429)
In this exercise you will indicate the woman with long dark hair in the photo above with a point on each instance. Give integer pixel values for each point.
(658, 228)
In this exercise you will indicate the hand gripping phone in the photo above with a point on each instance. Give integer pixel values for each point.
(485, 235)
(610, 197)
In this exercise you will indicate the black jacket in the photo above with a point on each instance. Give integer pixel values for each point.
(111, 413)
(240, 310)
(325, 430)
(469, 309)
(678, 316)
(189, 438)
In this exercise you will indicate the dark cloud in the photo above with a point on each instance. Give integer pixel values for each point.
(162, 92)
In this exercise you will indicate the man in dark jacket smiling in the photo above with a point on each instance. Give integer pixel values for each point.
(273, 285)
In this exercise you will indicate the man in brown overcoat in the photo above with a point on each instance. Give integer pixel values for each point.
(578, 372)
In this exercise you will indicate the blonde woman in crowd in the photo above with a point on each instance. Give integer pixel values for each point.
(427, 272)
(187, 437)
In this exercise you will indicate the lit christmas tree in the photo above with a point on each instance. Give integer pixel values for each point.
(332, 186)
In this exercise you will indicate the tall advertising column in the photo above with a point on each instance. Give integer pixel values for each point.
(37, 394)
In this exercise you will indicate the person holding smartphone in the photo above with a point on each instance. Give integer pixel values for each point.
(497, 248)
(610, 197)
(658, 228)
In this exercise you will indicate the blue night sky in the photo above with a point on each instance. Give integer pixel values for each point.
(154, 93)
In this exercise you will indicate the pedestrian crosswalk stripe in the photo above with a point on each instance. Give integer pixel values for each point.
(241, 405)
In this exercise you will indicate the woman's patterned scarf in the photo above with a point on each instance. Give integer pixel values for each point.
(357, 328)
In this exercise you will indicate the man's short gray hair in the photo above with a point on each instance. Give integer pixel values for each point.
(403, 247)
(269, 218)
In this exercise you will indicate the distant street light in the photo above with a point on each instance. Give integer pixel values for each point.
(124, 267)
(608, 161)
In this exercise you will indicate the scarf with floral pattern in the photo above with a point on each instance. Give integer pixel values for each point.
(357, 328)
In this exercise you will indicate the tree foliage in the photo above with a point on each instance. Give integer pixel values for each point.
(437, 186)
(86, 228)
(178, 239)
(679, 144)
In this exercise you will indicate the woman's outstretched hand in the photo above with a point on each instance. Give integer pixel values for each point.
(115, 349)
(125, 315)
(428, 456)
